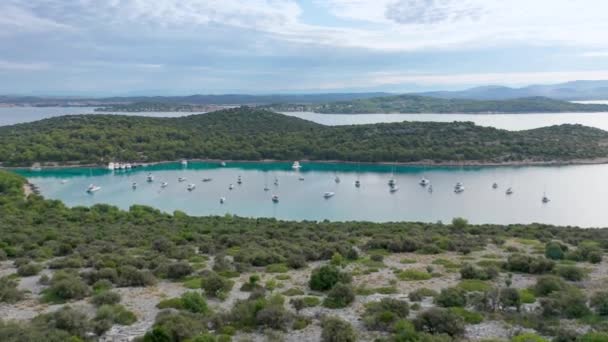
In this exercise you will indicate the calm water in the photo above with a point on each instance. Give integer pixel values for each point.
(9, 116)
(577, 193)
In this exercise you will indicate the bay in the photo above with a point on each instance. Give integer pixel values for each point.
(577, 192)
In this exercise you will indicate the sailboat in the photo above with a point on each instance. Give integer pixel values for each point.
(392, 182)
(358, 181)
(222, 200)
(424, 181)
(164, 185)
(181, 179)
(495, 185)
(134, 185)
(266, 188)
(191, 187)
(336, 178)
(545, 198)
(231, 187)
(296, 165)
(275, 198)
(509, 191)
(150, 178)
(239, 180)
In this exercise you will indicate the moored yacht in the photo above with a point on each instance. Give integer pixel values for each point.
(164, 185)
(545, 198)
(93, 188)
(509, 191)
(205, 180)
(181, 179)
(458, 188)
(134, 185)
(393, 189)
(275, 198)
(296, 165)
(191, 187)
(424, 181)
(337, 179)
(239, 180)
(357, 183)
(111, 166)
(329, 194)
(150, 178)
(495, 185)
(222, 200)
(231, 186)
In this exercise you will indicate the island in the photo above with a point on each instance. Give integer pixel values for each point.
(252, 134)
(409, 104)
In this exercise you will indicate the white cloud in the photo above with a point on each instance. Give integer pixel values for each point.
(595, 54)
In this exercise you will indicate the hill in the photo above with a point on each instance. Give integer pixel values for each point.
(253, 134)
(426, 104)
(575, 90)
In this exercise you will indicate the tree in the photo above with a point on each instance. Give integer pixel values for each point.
(337, 330)
(439, 321)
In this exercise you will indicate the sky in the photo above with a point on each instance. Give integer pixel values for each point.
(180, 47)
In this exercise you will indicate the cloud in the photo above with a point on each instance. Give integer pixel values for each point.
(18, 66)
(595, 54)
(430, 11)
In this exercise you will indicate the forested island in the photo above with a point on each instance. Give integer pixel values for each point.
(142, 107)
(254, 134)
(425, 104)
(84, 274)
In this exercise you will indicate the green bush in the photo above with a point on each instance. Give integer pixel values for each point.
(9, 292)
(509, 297)
(66, 318)
(66, 286)
(340, 296)
(106, 297)
(277, 268)
(413, 275)
(473, 285)
(555, 250)
(469, 271)
(116, 314)
(179, 270)
(194, 302)
(571, 273)
(439, 321)
(337, 330)
(419, 294)
(29, 269)
(527, 264)
(594, 337)
(130, 276)
(216, 285)
(296, 261)
(382, 315)
(326, 277)
(527, 296)
(450, 297)
(528, 337)
(467, 316)
(599, 302)
(175, 326)
(545, 285)
(570, 303)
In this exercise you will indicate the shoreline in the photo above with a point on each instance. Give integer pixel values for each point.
(422, 163)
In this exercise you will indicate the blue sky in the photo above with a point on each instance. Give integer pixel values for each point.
(176, 47)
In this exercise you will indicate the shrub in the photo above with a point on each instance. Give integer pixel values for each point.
(528, 264)
(296, 261)
(450, 297)
(173, 303)
(116, 314)
(102, 285)
(548, 284)
(179, 270)
(131, 276)
(595, 257)
(273, 316)
(469, 317)
(528, 337)
(555, 250)
(66, 286)
(412, 275)
(569, 303)
(473, 285)
(277, 268)
(419, 294)
(469, 271)
(216, 285)
(29, 269)
(599, 302)
(340, 296)
(384, 314)
(293, 292)
(571, 273)
(526, 296)
(194, 302)
(71, 320)
(326, 277)
(304, 302)
(509, 297)
(439, 321)
(9, 292)
(337, 330)
(175, 326)
(106, 297)
(594, 337)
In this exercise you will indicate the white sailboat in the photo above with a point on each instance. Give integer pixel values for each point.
(150, 178)
(392, 182)
(191, 187)
(181, 179)
(111, 166)
(329, 194)
(164, 185)
(93, 188)
(545, 198)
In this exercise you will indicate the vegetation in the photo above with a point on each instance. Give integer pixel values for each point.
(253, 134)
(425, 104)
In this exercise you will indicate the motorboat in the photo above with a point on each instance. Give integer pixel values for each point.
(164, 185)
(337, 179)
(495, 185)
(222, 200)
(394, 189)
(191, 187)
(134, 185)
(205, 180)
(111, 166)
(357, 183)
(296, 165)
(231, 186)
(458, 188)
(184, 162)
(181, 179)
(93, 188)
(275, 198)
(150, 178)
(509, 191)
(329, 194)
(424, 182)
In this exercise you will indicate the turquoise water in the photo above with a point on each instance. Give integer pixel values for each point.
(577, 193)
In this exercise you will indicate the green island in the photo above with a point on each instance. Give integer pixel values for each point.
(255, 134)
(87, 273)
(142, 107)
(424, 104)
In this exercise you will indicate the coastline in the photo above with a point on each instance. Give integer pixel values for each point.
(422, 163)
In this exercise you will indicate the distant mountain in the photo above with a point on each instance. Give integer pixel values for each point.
(570, 91)
(228, 99)
(427, 104)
